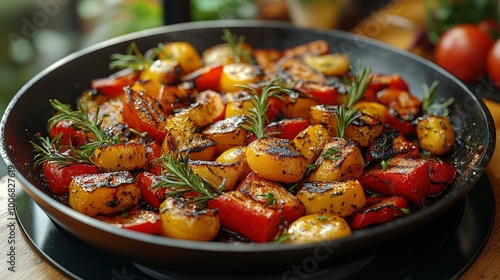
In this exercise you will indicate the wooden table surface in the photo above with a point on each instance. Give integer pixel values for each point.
(30, 265)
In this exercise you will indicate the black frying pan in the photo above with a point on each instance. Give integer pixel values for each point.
(65, 80)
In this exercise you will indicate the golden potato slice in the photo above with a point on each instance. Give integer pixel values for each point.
(186, 222)
(340, 160)
(120, 157)
(104, 193)
(276, 159)
(317, 228)
(311, 140)
(435, 134)
(340, 198)
(227, 133)
(217, 173)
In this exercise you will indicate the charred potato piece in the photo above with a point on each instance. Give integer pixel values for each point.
(333, 64)
(340, 198)
(104, 193)
(340, 160)
(218, 173)
(317, 228)
(227, 133)
(236, 155)
(435, 134)
(311, 140)
(120, 157)
(184, 221)
(276, 159)
(364, 129)
(196, 145)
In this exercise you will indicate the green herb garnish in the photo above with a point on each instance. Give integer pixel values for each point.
(257, 119)
(180, 179)
(52, 151)
(429, 105)
(236, 44)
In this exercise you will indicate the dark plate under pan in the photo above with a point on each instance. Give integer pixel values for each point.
(29, 110)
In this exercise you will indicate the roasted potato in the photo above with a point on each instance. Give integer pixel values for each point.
(340, 198)
(276, 159)
(185, 221)
(340, 160)
(333, 64)
(227, 133)
(311, 140)
(236, 155)
(317, 228)
(104, 193)
(435, 134)
(120, 157)
(218, 173)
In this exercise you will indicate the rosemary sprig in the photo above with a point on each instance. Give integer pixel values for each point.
(385, 164)
(257, 118)
(331, 153)
(361, 81)
(271, 199)
(429, 105)
(80, 120)
(52, 151)
(344, 118)
(134, 59)
(180, 179)
(235, 43)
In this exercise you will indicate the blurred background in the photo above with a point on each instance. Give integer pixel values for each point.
(36, 33)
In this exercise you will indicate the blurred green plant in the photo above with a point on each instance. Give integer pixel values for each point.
(443, 14)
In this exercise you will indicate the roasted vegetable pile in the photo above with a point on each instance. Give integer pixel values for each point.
(238, 144)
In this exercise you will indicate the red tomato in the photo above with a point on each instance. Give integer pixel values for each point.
(113, 85)
(152, 197)
(59, 177)
(462, 50)
(493, 63)
(137, 220)
(69, 134)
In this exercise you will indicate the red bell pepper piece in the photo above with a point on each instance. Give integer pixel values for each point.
(205, 78)
(59, 177)
(441, 175)
(378, 210)
(137, 220)
(402, 177)
(243, 215)
(404, 109)
(284, 129)
(324, 94)
(144, 114)
(272, 195)
(145, 181)
(69, 135)
(113, 86)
